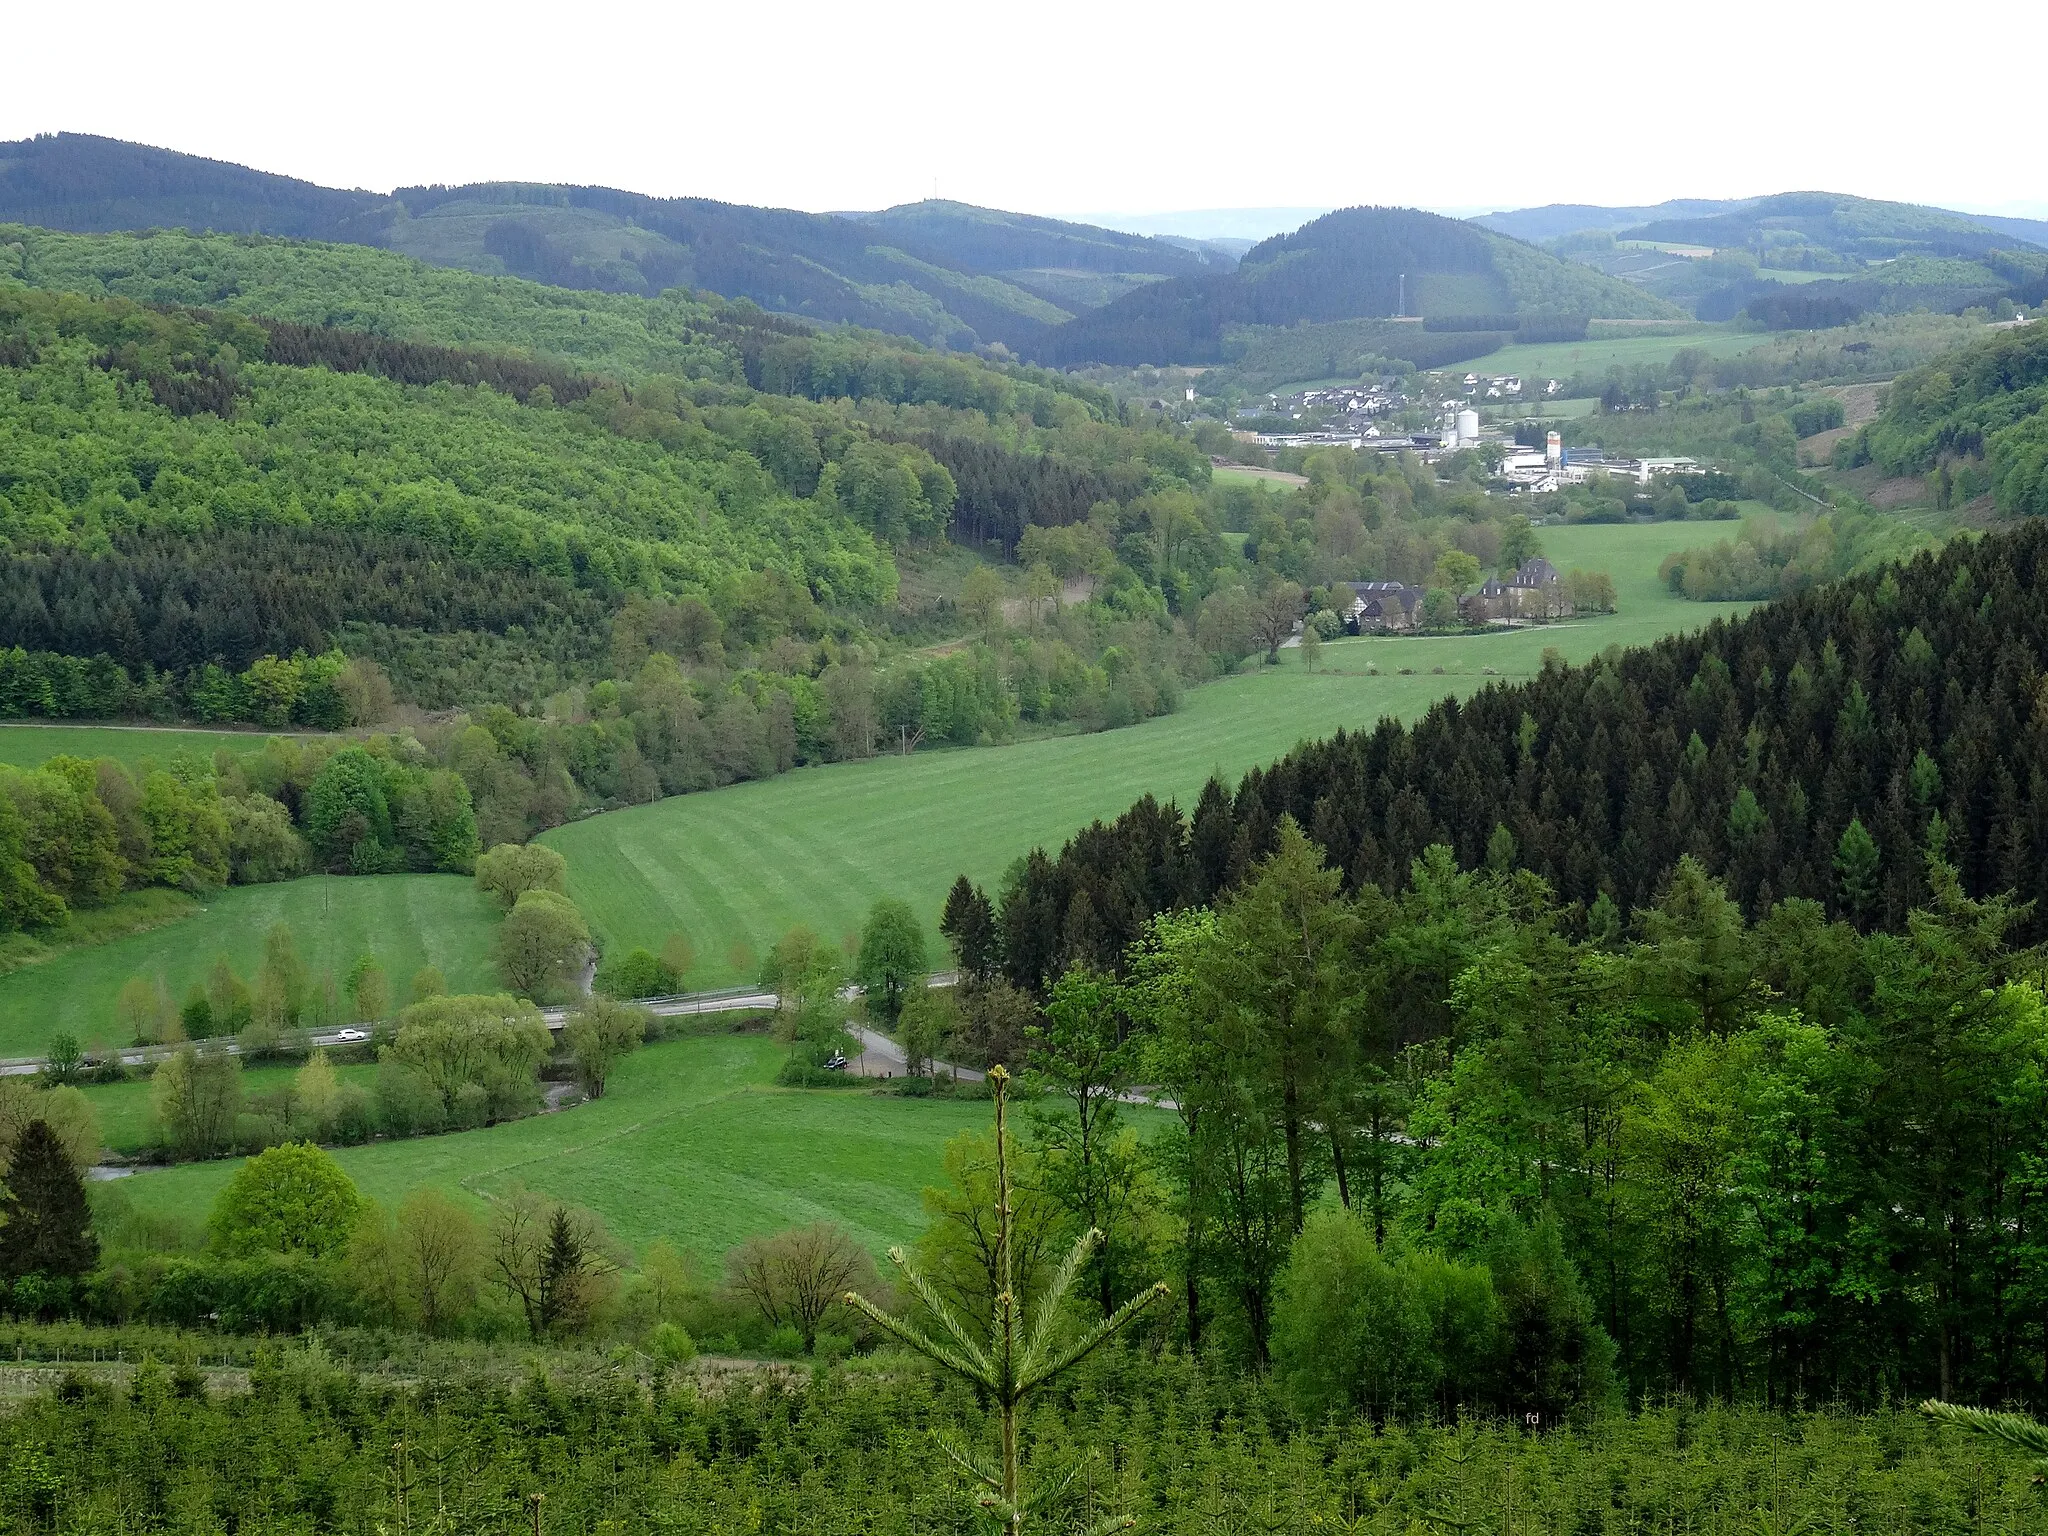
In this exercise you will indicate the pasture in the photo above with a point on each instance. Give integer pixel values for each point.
(406, 921)
(1595, 355)
(692, 1142)
(1240, 474)
(25, 745)
(737, 867)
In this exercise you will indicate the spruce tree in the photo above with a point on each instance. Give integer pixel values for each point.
(45, 1224)
(969, 925)
(561, 1275)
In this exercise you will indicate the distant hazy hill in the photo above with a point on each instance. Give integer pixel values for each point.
(1860, 227)
(943, 273)
(1555, 219)
(1354, 263)
(81, 182)
(1798, 259)
(1832, 220)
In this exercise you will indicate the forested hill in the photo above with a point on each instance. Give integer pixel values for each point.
(465, 478)
(79, 181)
(942, 273)
(1356, 262)
(1802, 751)
(1852, 226)
(1977, 420)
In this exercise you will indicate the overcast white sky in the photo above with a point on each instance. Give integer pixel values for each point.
(1066, 106)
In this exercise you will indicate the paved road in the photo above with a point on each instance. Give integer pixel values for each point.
(882, 1057)
(730, 1000)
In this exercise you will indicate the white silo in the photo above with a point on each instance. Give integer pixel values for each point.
(1468, 428)
(1553, 452)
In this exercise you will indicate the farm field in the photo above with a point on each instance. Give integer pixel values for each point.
(691, 1142)
(407, 921)
(1562, 359)
(26, 745)
(1238, 474)
(737, 867)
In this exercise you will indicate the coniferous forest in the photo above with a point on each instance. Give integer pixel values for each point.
(1799, 752)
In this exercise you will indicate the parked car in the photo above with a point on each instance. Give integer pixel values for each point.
(835, 1062)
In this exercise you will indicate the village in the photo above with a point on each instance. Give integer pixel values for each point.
(1353, 416)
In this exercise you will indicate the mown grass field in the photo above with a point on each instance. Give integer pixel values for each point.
(691, 1142)
(736, 868)
(1562, 359)
(1237, 474)
(26, 745)
(407, 921)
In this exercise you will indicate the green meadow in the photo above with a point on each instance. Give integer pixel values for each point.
(692, 1142)
(407, 921)
(1562, 359)
(26, 745)
(736, 868)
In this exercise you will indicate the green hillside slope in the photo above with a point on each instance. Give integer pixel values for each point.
(1976, 421)
(943, 273)
(1357, 262)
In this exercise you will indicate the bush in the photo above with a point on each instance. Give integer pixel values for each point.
(637, 973)
(671, 1344)
(799, 1071)
(407, 1103)
(353, 1117)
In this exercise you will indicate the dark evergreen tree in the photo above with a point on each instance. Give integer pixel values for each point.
(969, 926)
(562, 1267)
(45, 1223)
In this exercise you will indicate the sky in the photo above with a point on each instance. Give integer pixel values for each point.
(1065, 106)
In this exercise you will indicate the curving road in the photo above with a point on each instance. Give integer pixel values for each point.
(728, 1000)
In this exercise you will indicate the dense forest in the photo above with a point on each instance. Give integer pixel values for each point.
(1699, 979)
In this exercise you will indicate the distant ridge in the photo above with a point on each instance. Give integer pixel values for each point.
(1355, 263)
(944, 273)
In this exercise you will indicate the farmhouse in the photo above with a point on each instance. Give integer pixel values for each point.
(1534, 591)
(1378, 607)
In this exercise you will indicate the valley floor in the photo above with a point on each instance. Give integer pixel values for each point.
(692, 1143)
(735, 868)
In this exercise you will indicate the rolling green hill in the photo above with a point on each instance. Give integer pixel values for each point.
(1801, 260)
(1975, 421)
(1865, 228)
(943, 273)
(1355, 263)
(406, 921)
